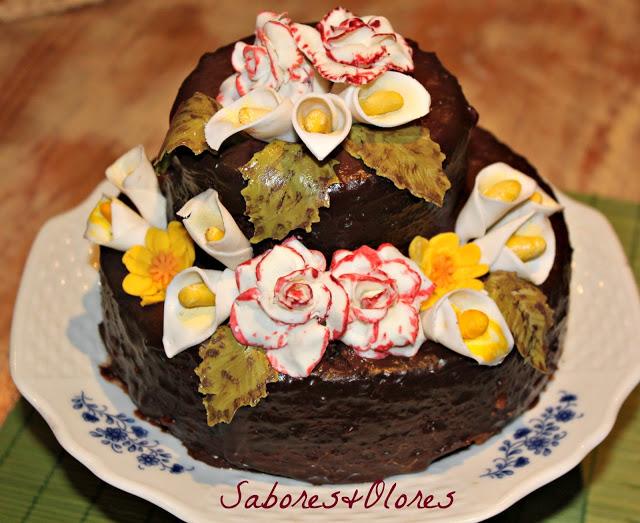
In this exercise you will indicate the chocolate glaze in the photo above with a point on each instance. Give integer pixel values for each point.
(352, 419)
(361, 198)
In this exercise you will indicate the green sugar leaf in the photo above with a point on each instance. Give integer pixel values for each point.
(286, 189)
(406, 155)
(187, 127)
(526, 311)
(231, 376)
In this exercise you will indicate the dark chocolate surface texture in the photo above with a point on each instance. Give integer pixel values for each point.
(352, 419)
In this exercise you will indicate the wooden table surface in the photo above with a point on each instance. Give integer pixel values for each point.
(558, 81)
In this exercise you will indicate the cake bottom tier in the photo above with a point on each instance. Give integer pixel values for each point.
(352, 420)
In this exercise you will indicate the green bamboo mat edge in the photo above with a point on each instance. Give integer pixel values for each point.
(39, 481)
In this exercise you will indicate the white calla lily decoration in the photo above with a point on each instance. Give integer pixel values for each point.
(134, 176)
(113, 224)
(214, 230)
(196, 303)
(498, 189)
(322, 121)
(469, 323)
(391, 100)
(262, 113)
(525, 245)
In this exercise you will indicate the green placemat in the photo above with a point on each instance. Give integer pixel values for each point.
(39, 481)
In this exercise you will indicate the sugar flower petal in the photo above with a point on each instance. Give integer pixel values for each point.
(409, 351)
(185, 327)
(338, 312)
(164, 254)
(205, 211)
(351, 49)
(272, 61)
(251, 325)
(360, 336)
(297, 297)
(492, 243)
(289, 306)
(385, 290)
(246, 273)
(138, 285)
(277, 262)
(133, 174)
(312, 258)
(447, 264)
(399, 327)
(304, 350)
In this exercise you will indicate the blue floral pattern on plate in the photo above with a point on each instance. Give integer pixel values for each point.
(121, 433)
(537, 438)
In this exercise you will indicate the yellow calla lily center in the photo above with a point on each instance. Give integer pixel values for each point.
(152, 266)
(448, 264)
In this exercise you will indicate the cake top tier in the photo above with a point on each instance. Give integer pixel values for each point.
(405, 179)
(240, 68)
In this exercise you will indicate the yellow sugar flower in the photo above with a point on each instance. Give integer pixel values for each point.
(448, 264)
(152, 266)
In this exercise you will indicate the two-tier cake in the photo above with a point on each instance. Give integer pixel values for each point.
(329, 272)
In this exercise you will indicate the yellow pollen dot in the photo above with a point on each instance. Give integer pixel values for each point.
(214, 234)
(382, 102)
(536, 197)
(317, 121)
(196, 295)
(164, 266)
(505, 191)
(527, 248)
(105, 210)
(251, 114)
(473, 323)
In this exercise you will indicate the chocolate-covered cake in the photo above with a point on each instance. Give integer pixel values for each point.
(355, 280)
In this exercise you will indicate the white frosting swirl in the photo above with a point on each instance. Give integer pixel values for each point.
(351, 49)
(289, 306)
(273, 61)
(385, 292)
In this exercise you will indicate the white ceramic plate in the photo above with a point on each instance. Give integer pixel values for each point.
(56, 350)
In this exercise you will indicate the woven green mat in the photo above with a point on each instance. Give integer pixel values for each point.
(41, 482)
